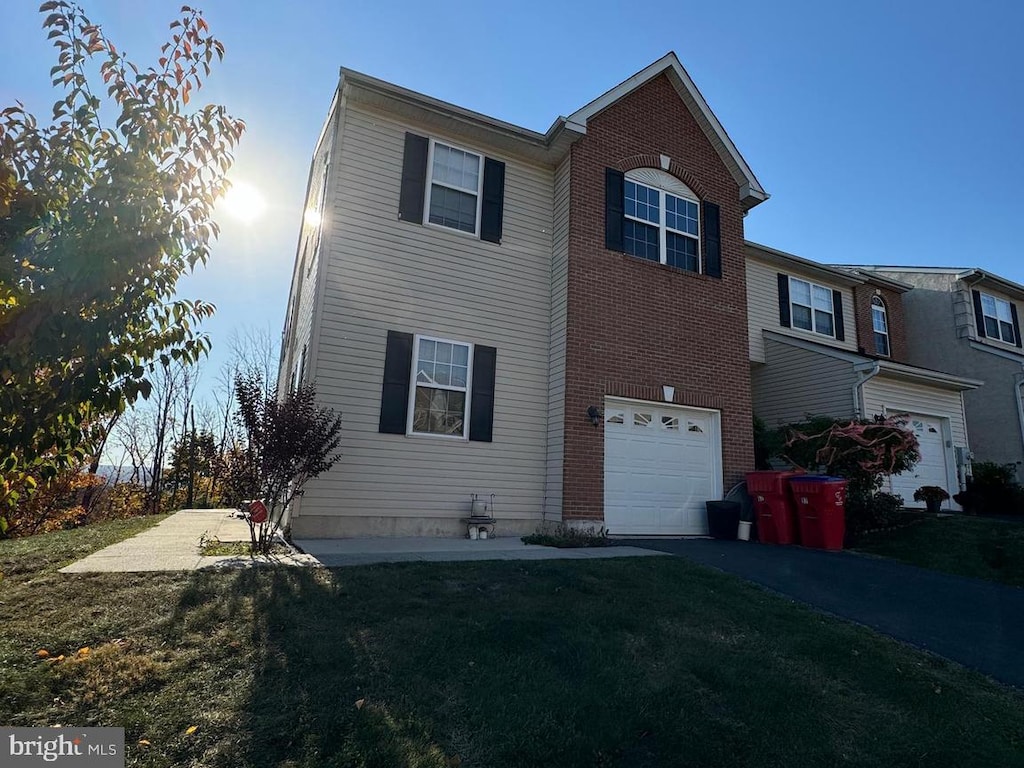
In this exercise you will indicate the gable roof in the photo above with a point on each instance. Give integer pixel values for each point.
(970, 275)
(751, 191)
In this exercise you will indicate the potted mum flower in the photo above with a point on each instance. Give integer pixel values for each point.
(932, 496)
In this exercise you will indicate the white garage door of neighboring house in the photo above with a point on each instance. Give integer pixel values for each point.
(931, 469)
(661, 463)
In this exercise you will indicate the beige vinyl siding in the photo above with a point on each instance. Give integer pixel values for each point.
(384, 274)
(302, 301)
(886, 395)
(763, 308)
(797, 383)
(556, 357)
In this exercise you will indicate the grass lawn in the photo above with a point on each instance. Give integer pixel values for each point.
(967, 546)
(626, 662)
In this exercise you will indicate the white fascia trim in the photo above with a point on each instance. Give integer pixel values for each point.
(990, 348)
(980, 277)
(750, 187)
(922, 375)
(774, 255)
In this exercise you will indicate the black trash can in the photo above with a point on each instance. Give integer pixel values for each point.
(723, 519)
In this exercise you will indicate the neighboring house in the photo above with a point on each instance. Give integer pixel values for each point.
(833, 341)
(966, 321)
(557, 319)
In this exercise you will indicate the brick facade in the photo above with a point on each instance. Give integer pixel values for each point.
(633, 325)
(893, 300)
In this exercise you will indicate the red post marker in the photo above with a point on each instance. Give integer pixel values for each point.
(258, 512)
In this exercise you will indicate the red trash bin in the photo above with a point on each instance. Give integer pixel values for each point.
(773, 506)
(821, 509)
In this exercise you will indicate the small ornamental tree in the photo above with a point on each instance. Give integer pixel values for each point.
(864, 451)
(287, 441)
(101, 211)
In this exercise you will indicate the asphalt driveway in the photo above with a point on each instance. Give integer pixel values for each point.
(977, 623)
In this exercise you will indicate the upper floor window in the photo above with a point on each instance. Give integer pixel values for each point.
(454, 187)
(998, 318)
(880, 326)
(661, 221)
(811, 307)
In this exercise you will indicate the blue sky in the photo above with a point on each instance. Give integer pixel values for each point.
(885, 132)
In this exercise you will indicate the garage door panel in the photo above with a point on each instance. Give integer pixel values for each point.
(661, 465)
(931, 469)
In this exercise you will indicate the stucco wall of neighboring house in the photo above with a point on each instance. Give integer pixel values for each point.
(763, 306)
(796, 383)
(556, 357)
(941, 334)
(385, 274)
(633, 325)
(893, 303)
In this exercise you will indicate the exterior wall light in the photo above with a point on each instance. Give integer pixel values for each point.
(594, 414)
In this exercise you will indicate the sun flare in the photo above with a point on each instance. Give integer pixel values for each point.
(244, 202)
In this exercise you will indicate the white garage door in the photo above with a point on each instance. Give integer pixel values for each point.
(661, 463)
(931, 469)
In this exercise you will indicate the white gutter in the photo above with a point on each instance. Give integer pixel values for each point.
(864, 374)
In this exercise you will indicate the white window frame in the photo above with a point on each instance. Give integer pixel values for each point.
(430, 188)
(662, 225)
(999, 323)
(814, 325)
(877, 303)
(468, 389)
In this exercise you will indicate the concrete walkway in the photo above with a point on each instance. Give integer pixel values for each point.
(173, 545)
(335, 553)
(977, 623)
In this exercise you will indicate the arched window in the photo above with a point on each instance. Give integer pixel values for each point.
(880, 326)
(662, 219)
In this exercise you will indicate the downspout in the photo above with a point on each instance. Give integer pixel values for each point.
(1018, 381)
(863, 376)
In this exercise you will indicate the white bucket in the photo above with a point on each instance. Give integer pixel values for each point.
(483, 533)
(474, 532)
(744, 531)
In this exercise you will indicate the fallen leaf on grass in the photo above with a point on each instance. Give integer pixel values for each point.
(42, 653)
(143, 742)
(359, 703)
(84, 651)
(191, 729)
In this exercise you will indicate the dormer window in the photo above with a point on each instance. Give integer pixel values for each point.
(662, 221)
(880, 326)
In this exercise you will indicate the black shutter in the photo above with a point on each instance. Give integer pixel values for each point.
(481, 406)
(493, 204)
(1016, 324)
(614, 208)
(414, 178)
(394, 398)
(979, 316)
(712, 240)
(784, 319)
(837, 309)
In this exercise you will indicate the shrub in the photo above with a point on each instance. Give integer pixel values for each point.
(865, 512)
(564, 536)
(992, 489)
(929, 493)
